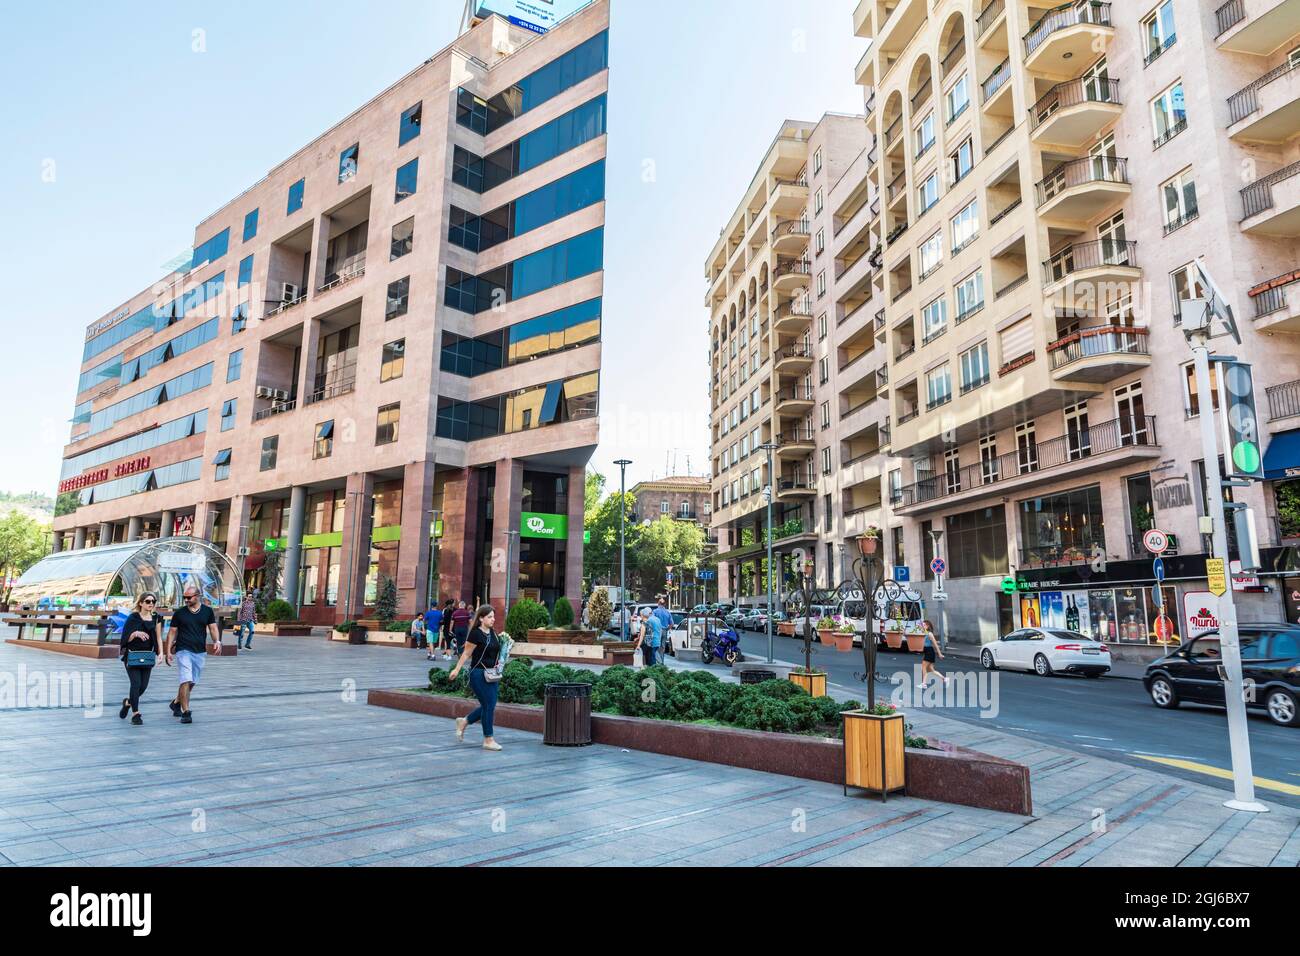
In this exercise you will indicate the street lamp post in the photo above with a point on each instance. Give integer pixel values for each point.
(864, 569)
(622, 557)
(510, 541)
(769, 492)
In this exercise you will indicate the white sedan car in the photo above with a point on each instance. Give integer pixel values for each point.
(1047, 650)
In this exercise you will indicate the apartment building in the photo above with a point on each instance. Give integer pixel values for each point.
(1041, 185)
(383, 358)
(682, 497)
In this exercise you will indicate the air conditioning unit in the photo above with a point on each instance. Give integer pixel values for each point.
(274, 394)
(291, 293)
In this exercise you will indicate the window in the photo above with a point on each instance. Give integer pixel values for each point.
(1158, 31)
(823, 369)
(895, 486)
(403, 239)
(938, 386)
(386, 423)
(348, 162)
(1026, 448)
(295, 197)
(975, 543)
(1061, 526)
(394, 361)
(930, 255)
(270, 452)
(222, 461)
(663, 506)
(1191, 392)
(1179, 198)
(406, 180)
(952, 471)
(1077, 437)
(820, 245)
(826, 415)
(925, 134)
(228, 414)
(990, 467)
(250, 225)
(970, 296)
(821, 327)
(927, 194)
(409, 127)
(234, 365)
(821, 283)
(900, 555)
(1130, 412)
(826, 461)
(963, 160)
(817, 161)
(1168, 114)
(958, 97)
(323, 445)
(1185, 284)
(563, 262)
(934, 319)
(819, 201)
(245, 271)
(965, 226)
(211, 250)
(399, 294)
(974, 367)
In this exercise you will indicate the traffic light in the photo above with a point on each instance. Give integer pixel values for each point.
(1241, 446)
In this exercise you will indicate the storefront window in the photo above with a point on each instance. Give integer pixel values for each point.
(976, 542)
(332, 582)
(1061, 528)
(1131, 615)
(1101, 611)
(1170, 612)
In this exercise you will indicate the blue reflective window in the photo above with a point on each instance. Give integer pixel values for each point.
(348, 162)
(562, 134)
(234, 365)
(174, 388)
(407, 175)
(296, 192)
(250, 225)
(211, 250)
(410, 124)
(561, 198)
(557, 264)
(245, 271)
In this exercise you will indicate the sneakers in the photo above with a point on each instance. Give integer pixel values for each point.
(137, 720)
(176, 708)
(126, 707)
(491, 745)
(186, 718)
(461, 724)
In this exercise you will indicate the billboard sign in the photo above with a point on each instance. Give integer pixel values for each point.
(535, 525)
(536, 15)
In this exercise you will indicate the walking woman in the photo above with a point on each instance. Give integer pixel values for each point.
(141, 647)
(482, 649)
(444, 631)
(928, 653)
(460, 620)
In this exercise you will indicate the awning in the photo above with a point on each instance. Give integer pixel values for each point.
(1282, 459)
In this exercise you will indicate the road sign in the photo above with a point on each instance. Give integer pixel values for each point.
(939, 596)
(1217, 576)
(1240, 424)
(938, 566)
(1157, 598)
(707, 575)
(1156, 541)
(903, 575)
(1158, 569)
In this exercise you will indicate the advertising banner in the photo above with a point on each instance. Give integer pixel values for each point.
(1200, 612)
(537, 525)
(536, 15)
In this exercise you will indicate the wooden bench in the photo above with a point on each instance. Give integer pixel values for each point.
(105, 644)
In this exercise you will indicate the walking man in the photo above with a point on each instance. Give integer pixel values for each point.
(652, 631)
(192, 627)
(432, 627)
(245, 621)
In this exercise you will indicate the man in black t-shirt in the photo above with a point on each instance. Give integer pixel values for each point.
(193, 627)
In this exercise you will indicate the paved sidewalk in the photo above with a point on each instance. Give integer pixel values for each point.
(286, 765)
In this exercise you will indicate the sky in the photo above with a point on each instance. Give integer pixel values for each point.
(128, 123)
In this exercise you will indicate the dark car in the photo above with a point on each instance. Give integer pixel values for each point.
(1270, 659)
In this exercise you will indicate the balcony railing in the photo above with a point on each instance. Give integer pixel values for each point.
(897, 184)
(1097, 341)
(1228, 16)
(1040, 456)
(794, 351)
(1274, 298)
(793, 484)
(798, 393)
(1085, 89)
(1283, 400)
(920, 95)
(275, 408)
(993, 82)
(788, 267)
(1005, 212)
(891, 131)
(796, 436)
(1258, 196)
(1065, 16)
(907, 416)
(325, 390)
(990, 13)
(793, 310)
(348, 269)
(1089, 255)
(953, 57)
(791, 227)
(1155, 52)
(1189, 214)
(1169, 133)
(1246, 100)
(1011, 286)
(286, 306)
(1079, 172)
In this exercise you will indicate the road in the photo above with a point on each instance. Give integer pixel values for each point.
(1111, 716)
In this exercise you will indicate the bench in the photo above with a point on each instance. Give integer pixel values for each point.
(102, 643)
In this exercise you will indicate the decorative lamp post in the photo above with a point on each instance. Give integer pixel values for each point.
(622, 558)
(865, 570)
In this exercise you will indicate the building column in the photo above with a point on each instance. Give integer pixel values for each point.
(133, 527)
(293, 548)
(79, 538)
(307, 361)
(236, 528)
(205, 520)
(573, 555)
(167, 524)
(505, 517)
(105, 533)
(415, 548)
(354, 564)
(56, 542)
(459, 541)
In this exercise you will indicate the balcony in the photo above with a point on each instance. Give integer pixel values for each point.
(1268, 110)
(285, 306)
(796, 400)
(1271, 205)
(345, 271)
(791, 319)
(1099, 354)
(1081, 190)
(790, 236)
(795, 443)
(1277, 305)
(341, 382)
(1082, 269)
(992, 85)
(275, 408)
(793, 359)
(794, 489)
(1104, 445)
(791, 274)
(789, 197)
(1068, 39)
(1073, 113)
(991, 14)
(1283, 400)
(1258, 27)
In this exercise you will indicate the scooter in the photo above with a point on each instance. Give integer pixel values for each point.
(724, 643)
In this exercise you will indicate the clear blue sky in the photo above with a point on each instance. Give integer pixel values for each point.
(120, 138)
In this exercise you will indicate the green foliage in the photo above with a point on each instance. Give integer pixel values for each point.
(386, 600)
(599, 611)
(1288, 506)
(278, 611)
(23, 542)
(525, 616)
(270, 589)
(440, 683)
(398, 627)
(562, 613)
(826, 624)
(594, 489)
(345, 627)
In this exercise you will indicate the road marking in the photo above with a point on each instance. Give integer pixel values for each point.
(1088, 737)
(1264, 783)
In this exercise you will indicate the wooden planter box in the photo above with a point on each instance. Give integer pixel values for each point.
(874, 752)
(546, 635)
(916, 643)
(815, 684)
(290, 629)
(264, 628)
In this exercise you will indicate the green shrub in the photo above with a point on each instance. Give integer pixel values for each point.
(599, 611)
(562, 613)
(386, 600)
(396, 626)
(758, 712)
(440, 683)
(526, 616)
(277, 611)
(617, 691)
(345, 627)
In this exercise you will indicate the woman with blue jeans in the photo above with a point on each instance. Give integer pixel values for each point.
(482, 650)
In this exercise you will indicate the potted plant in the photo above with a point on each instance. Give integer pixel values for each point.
(869, 540)
(826, 629)
(916, 639)
(843, 637)
(875, 745)
(894, 634)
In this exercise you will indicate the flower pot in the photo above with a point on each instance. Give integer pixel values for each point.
(869, 545)
(916, 643)
(894, 639)
(814, 683)
(785, 628)
(826, 635)
(874, 752)
(843, 642)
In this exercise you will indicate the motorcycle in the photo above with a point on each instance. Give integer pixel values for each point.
(724, 644)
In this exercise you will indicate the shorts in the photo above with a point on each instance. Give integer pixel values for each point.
(189, 666)
(928, 655)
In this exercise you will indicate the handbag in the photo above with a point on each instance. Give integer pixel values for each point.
(494, 673)
(141, 659)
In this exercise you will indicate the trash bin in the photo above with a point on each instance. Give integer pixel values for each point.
(756, 676)
(567, 715)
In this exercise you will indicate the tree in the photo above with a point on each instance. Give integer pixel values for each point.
(562, 613)
(599, 610)
(270, 589)
(666, 543)
(386, 600)
(23, 542)
(600, 554)
(595, 489)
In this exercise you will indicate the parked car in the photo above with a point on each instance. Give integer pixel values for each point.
(1046, 651)
(1270, 657)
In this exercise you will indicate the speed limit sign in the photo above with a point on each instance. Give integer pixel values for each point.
(1156, 541)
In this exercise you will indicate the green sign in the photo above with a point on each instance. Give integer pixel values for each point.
(535, 525)
(272, 544)
(586, 537)
(1008, 585)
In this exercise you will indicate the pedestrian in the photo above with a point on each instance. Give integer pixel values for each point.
(141, 647)
(482, 650)
(444, 630)
(417, 630)
(432, 628)
(652, 631)
(929, 650)
(245, 621)
(665, 617)
(634, 629)
(192, 626)
(460, 619)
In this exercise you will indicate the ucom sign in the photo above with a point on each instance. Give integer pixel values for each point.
(544, 525)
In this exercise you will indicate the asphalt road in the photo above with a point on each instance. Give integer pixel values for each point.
(1108, 716)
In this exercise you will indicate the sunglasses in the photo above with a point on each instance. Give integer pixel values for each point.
(148, 601)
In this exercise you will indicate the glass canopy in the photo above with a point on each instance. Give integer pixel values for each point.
(114, 575)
